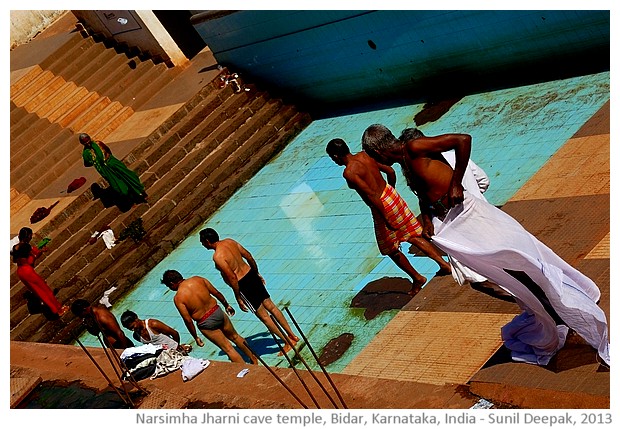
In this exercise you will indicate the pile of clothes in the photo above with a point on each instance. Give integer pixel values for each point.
(151, 361)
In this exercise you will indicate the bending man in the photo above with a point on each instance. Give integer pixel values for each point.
(394, 222)
(194, 299)
(553, 295)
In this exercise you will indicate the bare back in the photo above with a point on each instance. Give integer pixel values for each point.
(194, 295)
(429, 175)
(363, 174)
(232, 254)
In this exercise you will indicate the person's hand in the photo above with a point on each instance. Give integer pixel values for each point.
(199, 342)
(428, 230)
(242, 305)
(230, 310)
(455, 195)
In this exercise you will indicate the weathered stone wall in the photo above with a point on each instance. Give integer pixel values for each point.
(25, 24)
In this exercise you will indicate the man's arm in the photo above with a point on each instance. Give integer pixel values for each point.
(111, 328)
(220, 297)
(162, 328)
(460, 143)
(229, 276)
(389, 172)
(187, 319)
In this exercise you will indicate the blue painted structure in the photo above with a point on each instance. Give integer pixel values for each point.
(326, 59)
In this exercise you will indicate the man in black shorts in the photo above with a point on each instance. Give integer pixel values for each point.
(240, 272)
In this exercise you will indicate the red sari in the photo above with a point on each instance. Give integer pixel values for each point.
(34, 282)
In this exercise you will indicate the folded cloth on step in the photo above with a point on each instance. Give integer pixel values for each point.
(191, 367)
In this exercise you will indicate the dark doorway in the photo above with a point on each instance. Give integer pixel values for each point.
(176, 22)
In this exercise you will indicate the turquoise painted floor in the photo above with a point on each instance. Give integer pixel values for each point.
(313, 237)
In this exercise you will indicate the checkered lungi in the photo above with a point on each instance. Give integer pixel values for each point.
(398, 212)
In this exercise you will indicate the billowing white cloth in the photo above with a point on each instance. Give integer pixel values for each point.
(476, 181)
(488, 240)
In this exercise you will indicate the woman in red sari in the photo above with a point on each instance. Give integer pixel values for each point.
(24, 255)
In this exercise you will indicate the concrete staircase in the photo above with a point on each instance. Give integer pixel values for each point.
(191, 164)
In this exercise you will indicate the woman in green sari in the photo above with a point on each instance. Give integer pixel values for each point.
(121, 179)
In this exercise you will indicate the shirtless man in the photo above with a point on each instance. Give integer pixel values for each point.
(553, 295)
(194, 299)
(394, 222)
(240, 271)
(98, 318)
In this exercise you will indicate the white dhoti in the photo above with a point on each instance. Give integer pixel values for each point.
(489, 241)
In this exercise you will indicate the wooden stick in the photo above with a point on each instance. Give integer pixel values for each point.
(316, 357)
(276, 376)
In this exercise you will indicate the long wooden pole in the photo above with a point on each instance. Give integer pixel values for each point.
(316, 357)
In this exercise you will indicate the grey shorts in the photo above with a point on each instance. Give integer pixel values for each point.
(213, 321)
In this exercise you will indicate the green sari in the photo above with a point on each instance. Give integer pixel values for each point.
(121, 179)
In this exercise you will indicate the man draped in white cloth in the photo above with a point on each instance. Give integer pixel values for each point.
(553, 295)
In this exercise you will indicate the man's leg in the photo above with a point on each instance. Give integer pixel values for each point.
(229, 331)
(432, 252)
(269, 305)
(403, 263)
(264, 317)
(220, 339)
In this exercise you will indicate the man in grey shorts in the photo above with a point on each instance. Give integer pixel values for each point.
(194, 299)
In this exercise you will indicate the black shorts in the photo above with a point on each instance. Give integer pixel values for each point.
(253, 290)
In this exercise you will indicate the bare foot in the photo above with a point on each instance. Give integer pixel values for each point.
(294, 339)
(417, 286)
(443, 272)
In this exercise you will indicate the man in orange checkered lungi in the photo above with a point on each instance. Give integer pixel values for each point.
(394, 222)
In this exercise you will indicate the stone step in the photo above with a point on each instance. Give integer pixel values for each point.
(87, 263)
(148, 86)
(115, 70)
(171, 187)
(73, 40)
(112, 123)
(44, 93)
(77, 71)
(84, 105)
(53, 152)
(79, 124)
(70, 102)
(127, 70)
(24, 81)
(89, 213)
(30, 144)
(101, 56)
(32, 88)
(113, 88)
(54, 100)
(70, 59)
(32, 172)
(23, 125)
(17, 114)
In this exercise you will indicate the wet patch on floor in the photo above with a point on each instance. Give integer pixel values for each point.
(434, 110)
(386, 293)
(335, 348)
